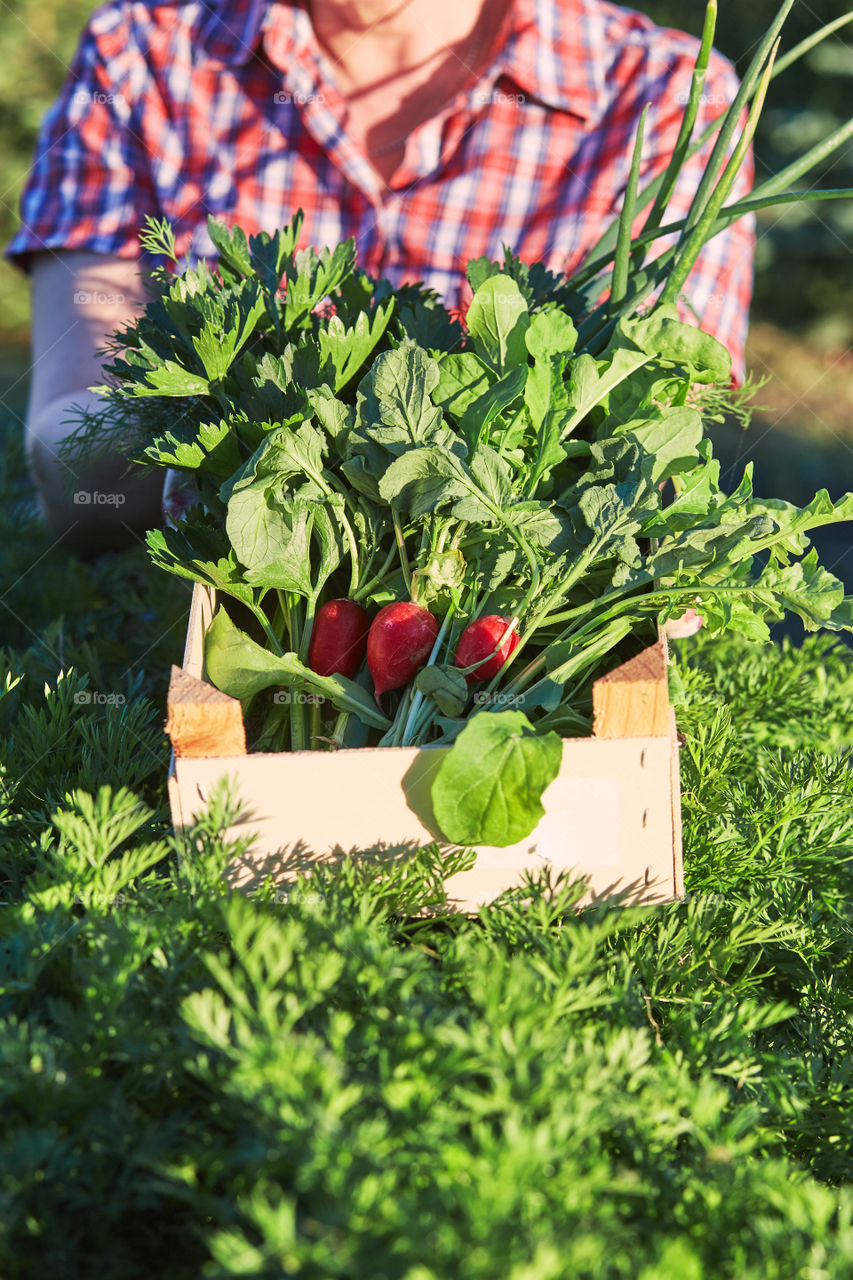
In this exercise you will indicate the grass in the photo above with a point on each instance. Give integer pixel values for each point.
(196, 1084)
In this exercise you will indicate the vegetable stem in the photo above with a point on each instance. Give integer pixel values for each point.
(268, 631)
(418, 698)
(315, 724)
(626, 221)
(693, 241)
(401, 548)
(378, 578)
(685, 132)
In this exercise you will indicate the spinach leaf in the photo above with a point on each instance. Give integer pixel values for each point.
(498, 319)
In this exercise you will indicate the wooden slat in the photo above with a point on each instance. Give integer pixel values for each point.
(203, 721)
(633, 700)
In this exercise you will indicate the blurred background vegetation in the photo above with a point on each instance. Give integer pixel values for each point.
(802, 318)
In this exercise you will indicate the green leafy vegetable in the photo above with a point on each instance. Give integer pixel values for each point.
(348, 440)
(489, 787)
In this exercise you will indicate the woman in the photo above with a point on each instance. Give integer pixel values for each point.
(433, 131)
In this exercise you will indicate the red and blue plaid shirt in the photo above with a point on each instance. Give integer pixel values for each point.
(230, 107)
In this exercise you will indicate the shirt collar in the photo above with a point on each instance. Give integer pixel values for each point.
(553, 51)
(232, 29)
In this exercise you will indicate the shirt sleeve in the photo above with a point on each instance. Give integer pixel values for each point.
(89, 187)
(718, 291)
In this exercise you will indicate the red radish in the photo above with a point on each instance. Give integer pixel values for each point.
(338, 638)
(481, 638)
(400, 640)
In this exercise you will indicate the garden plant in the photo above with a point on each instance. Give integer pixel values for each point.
(488, 506)
(314, 1081)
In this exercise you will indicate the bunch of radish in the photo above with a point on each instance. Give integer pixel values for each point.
(399, 642)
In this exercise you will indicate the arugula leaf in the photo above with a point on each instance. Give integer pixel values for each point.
(671, 436)
(482, 411)
(697, 492)
(550, 339)
(721, 544)
(488, 789)
(804, 588)
(663, 336)
(591, 381)
(551, 333)
(610, 510)
(791, 522)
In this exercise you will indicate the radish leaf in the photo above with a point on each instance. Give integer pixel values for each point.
(489, 787)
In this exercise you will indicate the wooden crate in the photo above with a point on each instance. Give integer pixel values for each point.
(613, 813)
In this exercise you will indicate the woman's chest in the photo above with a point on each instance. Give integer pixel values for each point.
(504, 171)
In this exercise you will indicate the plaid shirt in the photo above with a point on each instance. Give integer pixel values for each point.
(187, 108)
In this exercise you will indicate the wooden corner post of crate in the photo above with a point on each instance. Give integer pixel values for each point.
(613, 814)
(632, 701)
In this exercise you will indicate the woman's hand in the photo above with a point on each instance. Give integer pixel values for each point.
(687, 625)
(79, 299)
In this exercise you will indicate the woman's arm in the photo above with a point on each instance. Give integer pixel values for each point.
(78, 298)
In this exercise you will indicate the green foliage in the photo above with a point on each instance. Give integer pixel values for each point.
(314, 1080)
(489, 788)
(519, 476)
(317, 1081)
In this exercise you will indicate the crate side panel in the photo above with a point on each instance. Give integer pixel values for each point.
(608, 815)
